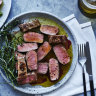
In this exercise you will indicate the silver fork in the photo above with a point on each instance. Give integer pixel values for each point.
(82, 59)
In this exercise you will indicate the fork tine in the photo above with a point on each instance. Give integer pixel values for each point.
(83, 50)
(80, 51)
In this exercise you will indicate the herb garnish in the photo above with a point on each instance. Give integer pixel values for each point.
(8, 46)
(1, 13)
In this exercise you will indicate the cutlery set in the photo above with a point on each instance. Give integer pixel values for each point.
(84, 59)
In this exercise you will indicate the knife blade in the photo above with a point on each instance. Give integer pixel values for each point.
(89, 67)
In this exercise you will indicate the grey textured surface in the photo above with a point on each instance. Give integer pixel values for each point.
(61, 8)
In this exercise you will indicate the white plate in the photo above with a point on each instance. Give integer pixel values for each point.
(39, 89)
(5, 10)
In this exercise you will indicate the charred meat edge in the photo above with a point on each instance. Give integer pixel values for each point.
(30, 25)
(56, 39)
(29, 78)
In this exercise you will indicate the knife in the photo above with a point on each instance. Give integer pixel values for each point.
(89, 67)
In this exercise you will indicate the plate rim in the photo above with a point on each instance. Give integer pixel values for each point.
(68, 77)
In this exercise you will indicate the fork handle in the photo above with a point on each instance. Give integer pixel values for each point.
(84, 83)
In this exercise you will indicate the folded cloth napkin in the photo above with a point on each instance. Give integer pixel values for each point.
(83, 33)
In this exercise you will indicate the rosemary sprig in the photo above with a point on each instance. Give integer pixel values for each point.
(8, 47)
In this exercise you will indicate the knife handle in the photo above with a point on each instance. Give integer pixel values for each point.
(84, 83)
(91, 85)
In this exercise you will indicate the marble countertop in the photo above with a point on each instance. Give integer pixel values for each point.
(61, 8)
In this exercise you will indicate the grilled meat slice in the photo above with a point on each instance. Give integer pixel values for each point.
(61, 54)
(53, 69)
(27, 47)
(29, 78)
(19, 55)
(42, 68)
(55, 39)
(33, 37)
(49, 30)
(30, 25)
(43, 50)
(22, 68)
(31, 58)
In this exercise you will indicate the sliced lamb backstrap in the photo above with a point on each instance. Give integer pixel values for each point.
(29, 78)
(31, 58)
(61, 54)
(21, 64)
(53, 69)
(30, 25)
(49, 30)
(43, 50)
(42, 68)
(33, 37)
(56, 39)
(27, 47)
